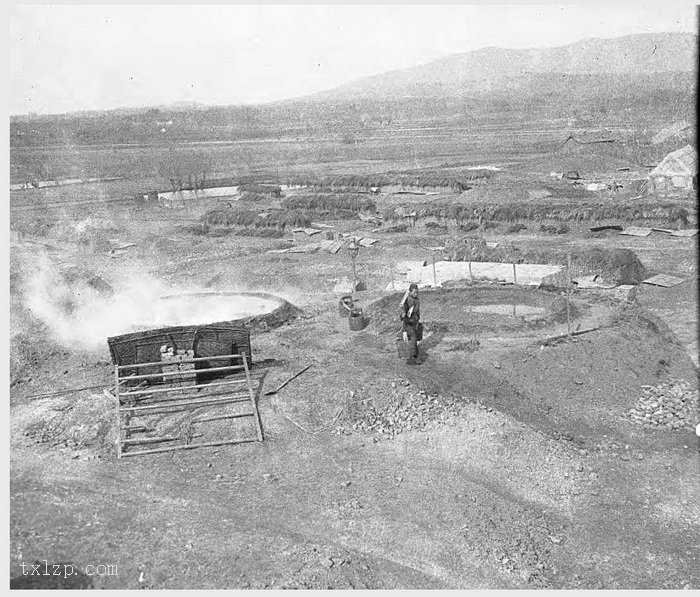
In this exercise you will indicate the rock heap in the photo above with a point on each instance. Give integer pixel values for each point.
(672, 405)
(403, 408)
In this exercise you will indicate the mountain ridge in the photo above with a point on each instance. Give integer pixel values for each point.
(482, 70)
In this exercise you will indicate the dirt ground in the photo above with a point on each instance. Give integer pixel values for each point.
(499, 462)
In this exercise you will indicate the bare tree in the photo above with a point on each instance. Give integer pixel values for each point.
(184, 169)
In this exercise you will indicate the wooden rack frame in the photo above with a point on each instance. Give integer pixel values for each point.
(139, 400)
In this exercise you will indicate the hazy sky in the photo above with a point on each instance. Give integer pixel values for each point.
(66, 58)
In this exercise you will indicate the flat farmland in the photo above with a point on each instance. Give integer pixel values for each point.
(505, 459)
(363, 151)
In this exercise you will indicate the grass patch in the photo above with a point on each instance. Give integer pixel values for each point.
(469, 226)
(229, 218)
(264, 190)
(464, 213)
(435, 227)
(419, 178)
(554, 228)
(248, 196)
(261, 232)
(330, 203)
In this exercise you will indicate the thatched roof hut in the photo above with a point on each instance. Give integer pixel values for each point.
(676, 173)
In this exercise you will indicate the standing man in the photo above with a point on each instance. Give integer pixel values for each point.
(410, 318)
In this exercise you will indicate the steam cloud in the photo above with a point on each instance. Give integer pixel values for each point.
(80, 315)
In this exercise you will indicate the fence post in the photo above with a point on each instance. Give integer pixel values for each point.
(469, 260)
(568, 286)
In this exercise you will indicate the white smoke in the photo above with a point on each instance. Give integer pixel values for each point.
(80, 315)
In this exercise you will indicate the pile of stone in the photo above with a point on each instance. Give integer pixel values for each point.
(402, 409)
(671, 405)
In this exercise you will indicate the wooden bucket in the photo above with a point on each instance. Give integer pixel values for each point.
(357, 321)
(403, 348)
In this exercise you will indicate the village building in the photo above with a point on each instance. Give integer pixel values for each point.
(676, 173)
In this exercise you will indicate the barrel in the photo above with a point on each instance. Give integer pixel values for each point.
(357, 321)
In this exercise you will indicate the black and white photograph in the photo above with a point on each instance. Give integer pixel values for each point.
(353, 297)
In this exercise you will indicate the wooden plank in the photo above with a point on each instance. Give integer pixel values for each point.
(148, 440)
(181, 393)
(190, 360)
(222, 417)
(181, 373)
(189, 447)
(689, 232)
(138, 429)
(181, 403)
(178, 396)
(182, 389)
(609, 227)
(331, 246)
(175, 409)
(636, 231)
(663, 280)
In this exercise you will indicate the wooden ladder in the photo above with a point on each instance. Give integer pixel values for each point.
(138, 400)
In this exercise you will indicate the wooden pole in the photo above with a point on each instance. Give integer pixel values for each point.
(177, 393)
(149, 440)
(218, 357)
(515, 275)
(469, 260)
(434, 273)
(222, 417)
(279, 387)
(68, 391)
(138, 429)
(178, 403)
(201, 386)
(562, 336)
(119, 415)
(256, 418)
(175, 408)
(568, 286)
(190, 447)
(176, 374)
(354, 275)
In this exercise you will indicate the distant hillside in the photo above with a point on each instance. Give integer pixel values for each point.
(490, 69)
(644, 81)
